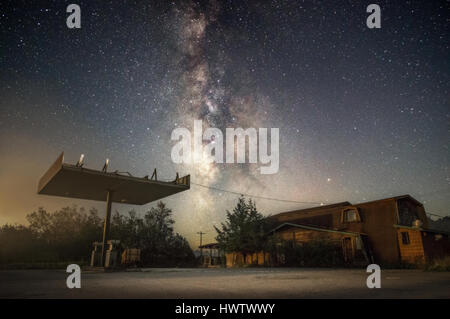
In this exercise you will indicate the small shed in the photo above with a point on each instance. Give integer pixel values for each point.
(212, 255)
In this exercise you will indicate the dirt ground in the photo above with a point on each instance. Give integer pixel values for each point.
(225, 283)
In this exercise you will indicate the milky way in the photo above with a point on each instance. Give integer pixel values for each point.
(363, 113)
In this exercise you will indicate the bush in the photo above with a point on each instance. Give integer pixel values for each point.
(310, 254)
(54, 239)
(441, 264)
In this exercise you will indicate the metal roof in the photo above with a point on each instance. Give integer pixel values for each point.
(211, 245)
(305, 211)
(392, 198)
(73, 181)
(429, 230)
(315, 228)
(310, 210)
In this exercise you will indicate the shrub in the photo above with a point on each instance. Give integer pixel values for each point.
(310, 254)
(441, 264)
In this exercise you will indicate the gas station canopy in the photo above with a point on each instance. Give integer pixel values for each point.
(74, 181)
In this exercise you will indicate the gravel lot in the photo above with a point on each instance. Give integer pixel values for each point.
(225, 283)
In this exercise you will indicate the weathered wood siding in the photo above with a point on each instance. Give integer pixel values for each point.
(435, 245)
(304, 235)
(413, 252)
(237, 259)
(377, 221)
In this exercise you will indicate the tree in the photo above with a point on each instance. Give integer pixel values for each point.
(67, 235)
(126, 228)
(244, 229)
(18, 244)
(442, 224)
(154, 235)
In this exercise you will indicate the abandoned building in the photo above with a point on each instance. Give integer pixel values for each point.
(211, 255)
(388, 231)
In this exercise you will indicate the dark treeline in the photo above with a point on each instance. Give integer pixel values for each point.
(442, 223)
(68, 234)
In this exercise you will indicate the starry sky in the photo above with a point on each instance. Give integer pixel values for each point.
(363, 113)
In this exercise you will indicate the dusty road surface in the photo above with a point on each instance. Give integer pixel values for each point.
(225, 283)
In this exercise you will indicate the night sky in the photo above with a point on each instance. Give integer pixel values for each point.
(363, 113)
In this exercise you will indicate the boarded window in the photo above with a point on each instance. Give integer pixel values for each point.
(350, 216)
(405, 238)
(407, 212)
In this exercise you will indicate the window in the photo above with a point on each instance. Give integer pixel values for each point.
(405, 238)
(350, 215)
(407, 212)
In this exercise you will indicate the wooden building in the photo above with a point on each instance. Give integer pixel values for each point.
(386, 231)
(211, 255)
(389, 231)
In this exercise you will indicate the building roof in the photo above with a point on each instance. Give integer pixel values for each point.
(392, 198)
(211, 245)
(310, 210)
(314, 228)
(302, 212)
(428, 230)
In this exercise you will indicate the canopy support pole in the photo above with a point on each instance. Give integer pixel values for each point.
(107, 225)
